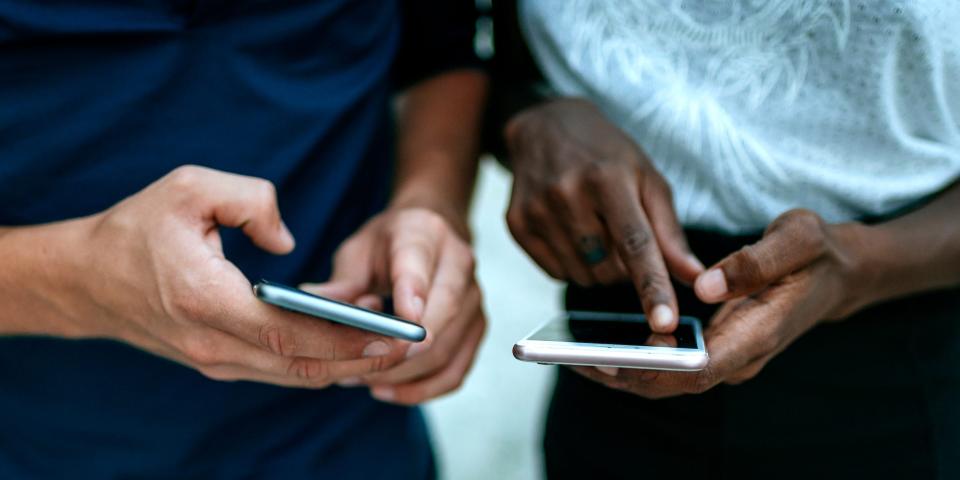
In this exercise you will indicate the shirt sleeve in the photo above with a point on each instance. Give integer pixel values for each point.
(436, 36)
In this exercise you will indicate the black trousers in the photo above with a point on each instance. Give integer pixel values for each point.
(876, 396)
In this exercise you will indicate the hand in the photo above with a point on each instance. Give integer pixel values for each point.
(152, 273)
(418, 257)
(588, 206)
(802, 272)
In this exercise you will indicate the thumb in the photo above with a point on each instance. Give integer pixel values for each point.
(241, 202)
(793, 241)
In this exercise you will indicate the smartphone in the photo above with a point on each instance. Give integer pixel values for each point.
(316, 306)
(614, 340)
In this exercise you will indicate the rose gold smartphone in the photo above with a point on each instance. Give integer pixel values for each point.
(614, 340)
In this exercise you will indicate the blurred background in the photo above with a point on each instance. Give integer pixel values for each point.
(492, 426)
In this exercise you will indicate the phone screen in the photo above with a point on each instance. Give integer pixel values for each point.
(615, 329)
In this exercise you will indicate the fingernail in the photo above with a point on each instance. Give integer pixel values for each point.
(662, 317)
(712, 284)
(376, 349)
(349, 382)
(660, 343)
(384, 394)
(416, 349)
(612, 371)
(417, 304)
(695, 262)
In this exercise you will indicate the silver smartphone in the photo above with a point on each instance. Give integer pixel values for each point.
(314, 305)
(614, 340)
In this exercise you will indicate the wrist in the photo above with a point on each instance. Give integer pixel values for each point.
(42, 281)
(861, 266)
(515, 124)
(423, 197)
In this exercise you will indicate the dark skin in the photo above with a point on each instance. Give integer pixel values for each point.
(582, 184)
(803, 271)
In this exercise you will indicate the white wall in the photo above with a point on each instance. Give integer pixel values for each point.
(491, 428)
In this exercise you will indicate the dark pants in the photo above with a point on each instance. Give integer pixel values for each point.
(875, 396)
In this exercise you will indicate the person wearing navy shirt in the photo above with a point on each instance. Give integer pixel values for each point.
(156, 156)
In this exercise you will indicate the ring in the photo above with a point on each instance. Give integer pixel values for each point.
(591, 249)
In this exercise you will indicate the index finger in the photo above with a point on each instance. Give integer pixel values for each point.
(635, 241)
(412, 263)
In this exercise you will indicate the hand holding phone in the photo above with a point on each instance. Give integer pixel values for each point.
(188, 304)
(314, 305)
(614, 340)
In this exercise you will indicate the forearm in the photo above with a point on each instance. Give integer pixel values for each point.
(35, 282)
(439, 127)
(914, 253)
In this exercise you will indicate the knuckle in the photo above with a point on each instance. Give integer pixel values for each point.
(736, 379)
(440, 355)
(555, 194)
(652, 287)
(663, 185)
(451, 291)
(807, 223)
(216, 374)
(514, 131)
(347, 250)
(469, 260)
(659, 186)
(599, 174)
(277, 340)
(745, 374)
(635, 240)
(434, 223)
(448, 384)
(516, 222)
(266, 193)
(801, 216)
(412, 396)
(186, 175)
(200, 350)
(536, 209)
(739, 378)
(185, 304)
(648, 375)
(455, 384)
(426, 220)
(563, 191)
(435, 358)
(309, 370)
(378, 364)
(748, 268)
(767, 346)
(701, 383)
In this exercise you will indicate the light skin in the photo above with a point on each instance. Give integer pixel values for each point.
(150, 272)
(803, 271)
(438, 161)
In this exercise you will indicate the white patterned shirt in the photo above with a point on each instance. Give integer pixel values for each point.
(750, 107)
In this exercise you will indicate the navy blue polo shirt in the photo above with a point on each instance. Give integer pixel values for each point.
(98, 98)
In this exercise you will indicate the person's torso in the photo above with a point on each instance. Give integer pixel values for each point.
(851, 109)
(98, 98)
